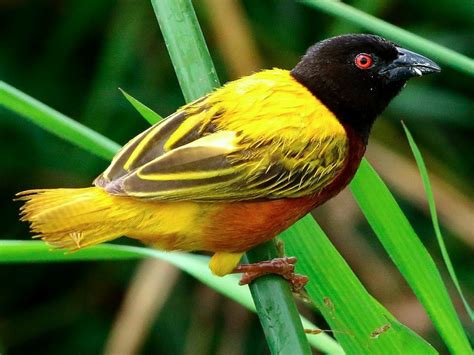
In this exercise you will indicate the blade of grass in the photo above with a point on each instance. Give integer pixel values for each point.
(268, 306)
(409, 255)
(197, 77)
(440, 53)
(187, 47)
(56, 123)
(360, 324)
(434, 217)
(148, 114)
(19, 251)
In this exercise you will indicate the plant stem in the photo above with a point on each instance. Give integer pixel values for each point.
(187, 47)
(197, 77)
(276, 328)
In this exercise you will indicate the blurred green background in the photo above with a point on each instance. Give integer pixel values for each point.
(74, 54)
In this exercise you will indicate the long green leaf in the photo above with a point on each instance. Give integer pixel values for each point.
(19, 251)
(434, 217)
(409, 255)
(276, 313)
(440, 53)
(360, 323)
(187, 47)
(56, 123)
(197, 77)
(177, 18)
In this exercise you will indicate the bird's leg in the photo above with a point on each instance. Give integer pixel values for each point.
(280, 245)
(284, 266)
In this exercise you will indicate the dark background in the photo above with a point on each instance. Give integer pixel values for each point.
(73, 55)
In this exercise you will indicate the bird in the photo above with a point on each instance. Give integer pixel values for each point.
(236, 167)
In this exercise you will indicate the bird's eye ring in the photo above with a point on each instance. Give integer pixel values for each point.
(364, 61)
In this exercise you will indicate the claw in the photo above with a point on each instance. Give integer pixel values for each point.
(297, 282)
(284, 267)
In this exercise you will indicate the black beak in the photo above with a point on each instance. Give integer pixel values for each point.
(407, 65)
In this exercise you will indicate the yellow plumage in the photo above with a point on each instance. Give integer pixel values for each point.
(77, 218)
(262, 136)
(249, 147)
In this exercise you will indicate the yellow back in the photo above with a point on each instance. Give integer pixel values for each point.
(262, 136)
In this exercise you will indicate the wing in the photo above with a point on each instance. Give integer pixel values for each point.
(263, 136)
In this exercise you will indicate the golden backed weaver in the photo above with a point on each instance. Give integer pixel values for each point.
(236, 167)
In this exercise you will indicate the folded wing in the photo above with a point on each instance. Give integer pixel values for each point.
(202, 153)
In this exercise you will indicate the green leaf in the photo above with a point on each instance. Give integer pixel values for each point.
(187, 47)
(56, 123)
(18, 251)
(148, 114)
(435, 51)
(409, 255)
(275, 305)
(360, 323)
(434, 217)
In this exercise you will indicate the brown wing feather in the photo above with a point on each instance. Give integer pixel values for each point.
(148, 145)
(261, 137)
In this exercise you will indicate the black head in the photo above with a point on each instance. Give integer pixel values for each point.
(357, 75)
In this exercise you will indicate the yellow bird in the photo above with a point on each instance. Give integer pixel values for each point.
(234, 168)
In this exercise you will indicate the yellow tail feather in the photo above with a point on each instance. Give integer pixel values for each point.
(73, 218)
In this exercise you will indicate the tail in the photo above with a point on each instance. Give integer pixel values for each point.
(73, 218)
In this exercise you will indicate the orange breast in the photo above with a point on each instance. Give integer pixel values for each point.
(240, 226)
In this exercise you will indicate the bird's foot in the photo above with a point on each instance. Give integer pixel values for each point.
(284, 267)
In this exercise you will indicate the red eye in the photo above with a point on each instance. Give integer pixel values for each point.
(364, 61)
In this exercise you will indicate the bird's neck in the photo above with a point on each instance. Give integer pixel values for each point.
(358, 113)
(354, 157)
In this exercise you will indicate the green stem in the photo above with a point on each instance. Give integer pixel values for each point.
(276, 328)
(187, 47)
(440, 53)
(197, 77)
